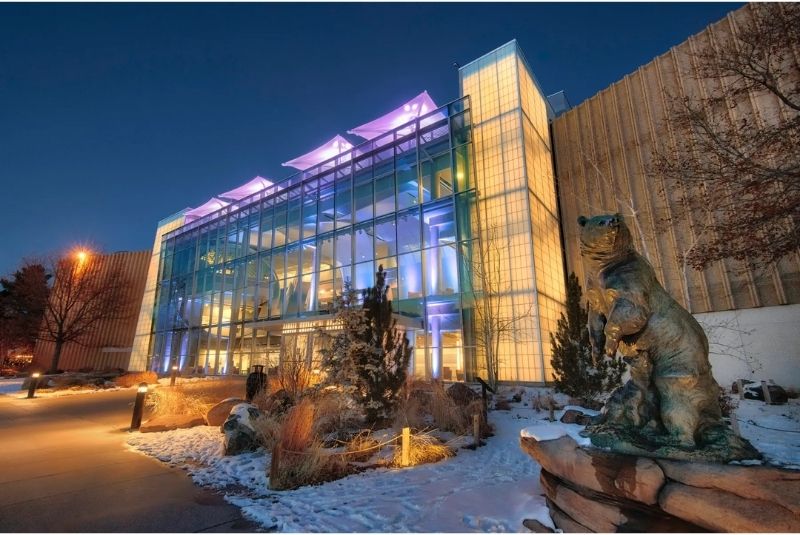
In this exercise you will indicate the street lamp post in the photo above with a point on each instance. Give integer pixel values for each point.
(138, 406)
(34, 382)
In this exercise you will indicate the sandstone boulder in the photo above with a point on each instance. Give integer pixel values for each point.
(595, 515)
(722, 511)
(756, 482)
(564, 522)
(239, 429)
(633, 478)
(572, 416)
(170, 422)
(217, 414)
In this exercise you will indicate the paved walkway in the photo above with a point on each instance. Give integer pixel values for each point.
(64, 467)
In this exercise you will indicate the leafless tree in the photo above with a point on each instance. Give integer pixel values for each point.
(294, 373)
(85, 292)
(734, 168)
(495, 321)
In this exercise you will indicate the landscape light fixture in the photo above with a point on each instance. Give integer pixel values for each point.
(173, 374)
(138, 406)
(34, 382)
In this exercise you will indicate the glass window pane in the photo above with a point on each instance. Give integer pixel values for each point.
(439, 224)
(407, 185)
(364, 276)
(293, 221)
(344, 204)
(384, 195)
(326, 214)
(344, 252)
(408, 231)
(325, 246)
(385, 237)
(443, 182)
(363, 242)
(363, 201)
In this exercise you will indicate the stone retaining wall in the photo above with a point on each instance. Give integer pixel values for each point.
(590, 490)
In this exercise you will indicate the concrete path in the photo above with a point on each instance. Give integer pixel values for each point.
(64, 468)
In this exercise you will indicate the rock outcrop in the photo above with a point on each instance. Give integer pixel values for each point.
(239, 429)
(217, 414)
(590, 490)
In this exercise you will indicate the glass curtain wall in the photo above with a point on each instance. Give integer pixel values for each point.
(517, 205)
(228, 285)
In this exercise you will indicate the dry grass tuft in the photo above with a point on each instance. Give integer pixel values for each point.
(297, 431)
(423, 449)
(312, 467)
(133, 379)
(447, 415)
(193, 398)
(175, 400)
(361, 447)
(268, 430)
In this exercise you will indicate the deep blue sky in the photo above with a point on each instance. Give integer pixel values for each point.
(113, 116)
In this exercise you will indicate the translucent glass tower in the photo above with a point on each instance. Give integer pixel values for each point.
(517, 203)
(255, 270)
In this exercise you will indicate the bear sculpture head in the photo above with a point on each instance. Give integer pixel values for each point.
(604, 238)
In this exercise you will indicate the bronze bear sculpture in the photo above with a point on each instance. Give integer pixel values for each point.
(670, 407)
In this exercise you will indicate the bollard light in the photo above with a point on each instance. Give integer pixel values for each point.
(34, 383)
(138, 406)
(173, 374)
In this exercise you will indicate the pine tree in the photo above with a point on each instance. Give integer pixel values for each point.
(370, 357)
(573, 370)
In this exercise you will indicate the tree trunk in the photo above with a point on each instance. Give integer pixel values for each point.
(56, 356)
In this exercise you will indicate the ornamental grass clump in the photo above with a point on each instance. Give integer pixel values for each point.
(176, 401)
(133, 379)
(298, 458)
(447, 414)
(423, 449)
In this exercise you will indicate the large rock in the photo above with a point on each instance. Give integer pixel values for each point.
(718, 510)
(170, 422)
(239, 429)
(756, 482)
(573, 416)
(607, 514)
(462, 394)
(632, 478)
(597, 516)
(564, 522)
(217, 414)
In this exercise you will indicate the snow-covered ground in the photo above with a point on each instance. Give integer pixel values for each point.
(492, 489)
(10, 386)
(773, 429)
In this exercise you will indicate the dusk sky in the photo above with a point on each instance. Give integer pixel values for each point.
(114, 116)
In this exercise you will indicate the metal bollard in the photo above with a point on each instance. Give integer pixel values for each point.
(34, 383)
(138, 406)
(173, 375)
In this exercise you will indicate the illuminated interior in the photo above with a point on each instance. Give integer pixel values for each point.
(255, 270)
(234, 285)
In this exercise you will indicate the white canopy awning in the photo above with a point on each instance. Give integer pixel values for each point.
(328, 150)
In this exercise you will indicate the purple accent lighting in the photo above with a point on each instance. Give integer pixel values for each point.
(328, 150)
(245, 190)
(211, 205)
(417, 106)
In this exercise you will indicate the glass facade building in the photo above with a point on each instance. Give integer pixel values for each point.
(234, 282)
